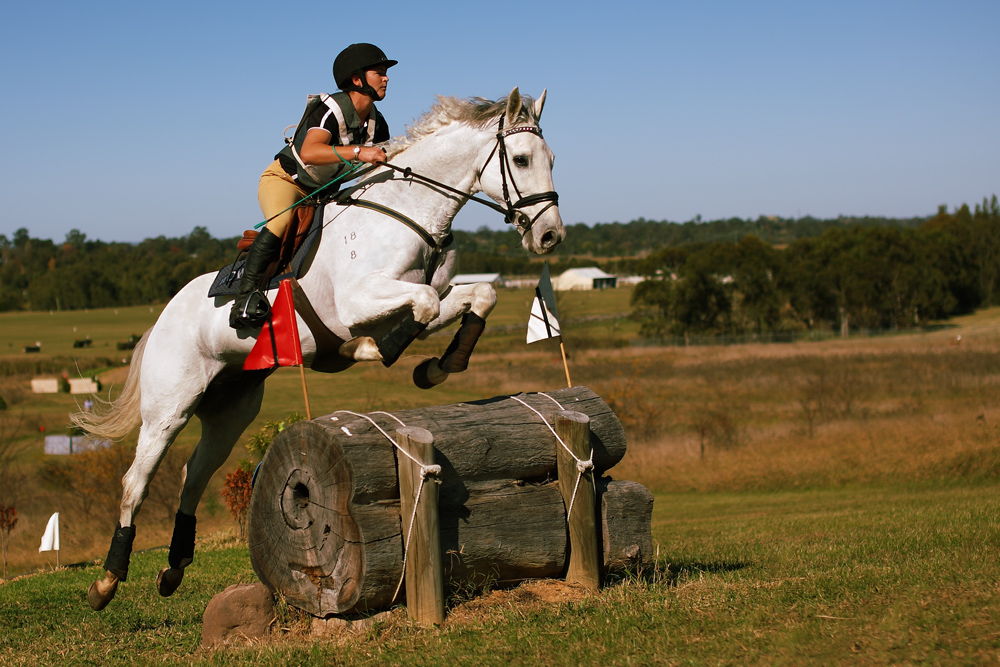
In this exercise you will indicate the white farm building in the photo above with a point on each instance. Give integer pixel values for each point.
(472, 278)
(586, 278)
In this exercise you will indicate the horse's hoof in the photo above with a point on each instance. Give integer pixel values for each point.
(362, 348)
(428, 374)
(102, 591)
(168, 580)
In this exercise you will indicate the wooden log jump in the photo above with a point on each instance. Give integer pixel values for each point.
(327, 528)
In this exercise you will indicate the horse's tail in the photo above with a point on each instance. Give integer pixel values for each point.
(115, 420)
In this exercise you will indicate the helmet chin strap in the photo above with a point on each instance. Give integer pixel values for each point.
(364, 89)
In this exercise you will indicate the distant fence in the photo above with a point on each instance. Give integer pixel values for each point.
(816, 335)
(56, 445)
(775, 337)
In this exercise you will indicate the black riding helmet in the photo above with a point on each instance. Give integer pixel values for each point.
(358, 58)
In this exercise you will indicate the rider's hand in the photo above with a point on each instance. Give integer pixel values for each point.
(372, 155)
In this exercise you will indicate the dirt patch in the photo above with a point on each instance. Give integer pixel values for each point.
(528, 595)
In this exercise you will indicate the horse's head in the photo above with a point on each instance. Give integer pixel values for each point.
(518, 175)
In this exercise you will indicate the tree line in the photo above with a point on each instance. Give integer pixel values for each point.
(870, 277)
(39, 274)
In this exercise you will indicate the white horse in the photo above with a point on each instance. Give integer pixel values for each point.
(374, 282)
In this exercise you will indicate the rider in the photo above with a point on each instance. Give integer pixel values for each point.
(340, 128)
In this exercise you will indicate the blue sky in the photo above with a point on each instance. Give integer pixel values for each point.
(128, 120)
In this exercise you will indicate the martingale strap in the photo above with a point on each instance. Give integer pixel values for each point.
(393, 213)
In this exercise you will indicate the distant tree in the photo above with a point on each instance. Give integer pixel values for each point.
(654, 298)
(76, 238)
(985, 231)
(701, 302)
(755, 269)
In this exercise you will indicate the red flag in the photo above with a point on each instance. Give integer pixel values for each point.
(278, 343)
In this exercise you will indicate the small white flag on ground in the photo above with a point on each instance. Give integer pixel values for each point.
(50, 540)
(542, 323)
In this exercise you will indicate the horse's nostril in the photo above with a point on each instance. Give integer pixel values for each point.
(549, 239)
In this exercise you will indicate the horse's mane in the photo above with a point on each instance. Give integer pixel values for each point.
(475, 111)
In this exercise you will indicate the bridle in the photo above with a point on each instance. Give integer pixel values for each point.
(500, 147)
(511, 212)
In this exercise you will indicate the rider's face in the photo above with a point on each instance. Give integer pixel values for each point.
(378, 78)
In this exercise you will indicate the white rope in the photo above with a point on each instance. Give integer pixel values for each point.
(432, 470)
(382, 431)
(542, 393)
(582, 466)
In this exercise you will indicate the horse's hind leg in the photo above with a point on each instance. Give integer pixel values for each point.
(155, 436)
(224, 412)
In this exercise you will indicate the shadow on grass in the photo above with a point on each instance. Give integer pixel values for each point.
(672, 574)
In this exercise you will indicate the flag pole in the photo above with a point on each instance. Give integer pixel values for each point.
(562, 348)
(305, 392)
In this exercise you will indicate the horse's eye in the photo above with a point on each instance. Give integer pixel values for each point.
(521, 161)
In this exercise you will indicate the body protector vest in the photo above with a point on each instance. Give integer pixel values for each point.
(349, 130)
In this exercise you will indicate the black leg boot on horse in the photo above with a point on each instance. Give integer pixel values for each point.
(394, 341)
(432, 372)
(101, 592)
(251, 308)
(181, 554)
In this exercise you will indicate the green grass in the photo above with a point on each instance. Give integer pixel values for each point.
(57, 330)
(848, 576)
(866, 537)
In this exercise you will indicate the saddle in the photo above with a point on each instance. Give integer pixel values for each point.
(295, 244)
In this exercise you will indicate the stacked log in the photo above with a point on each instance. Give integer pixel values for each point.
(325, 527)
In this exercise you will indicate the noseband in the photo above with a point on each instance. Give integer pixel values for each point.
(510, 213)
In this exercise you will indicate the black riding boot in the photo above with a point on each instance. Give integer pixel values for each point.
(250, 309)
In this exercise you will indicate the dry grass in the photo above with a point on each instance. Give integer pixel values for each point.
(895, 410)
(909, 408)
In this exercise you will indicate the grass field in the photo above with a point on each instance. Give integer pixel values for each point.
(816, 504)
(875, 576)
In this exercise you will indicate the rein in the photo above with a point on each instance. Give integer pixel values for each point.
(499, 147)
(509, 213)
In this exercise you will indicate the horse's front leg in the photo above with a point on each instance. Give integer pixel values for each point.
(473, 303)
(379, 298)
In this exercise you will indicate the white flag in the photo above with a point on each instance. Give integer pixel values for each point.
(542, 324)
(50, 540)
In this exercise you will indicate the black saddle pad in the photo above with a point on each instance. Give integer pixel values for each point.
(227, 281)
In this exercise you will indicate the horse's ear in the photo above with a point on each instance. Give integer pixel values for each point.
(539, 104)
(514, 105)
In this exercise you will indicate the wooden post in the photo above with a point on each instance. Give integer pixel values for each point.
(424, 575)
(584, 566)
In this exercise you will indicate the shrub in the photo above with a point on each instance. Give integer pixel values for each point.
(8, 521)
(259, 443)
(236, 493)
